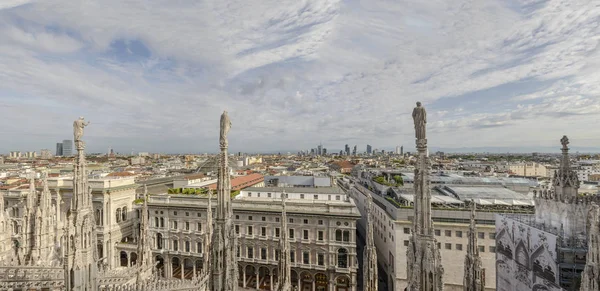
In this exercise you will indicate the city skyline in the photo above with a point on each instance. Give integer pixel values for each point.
(491, 73)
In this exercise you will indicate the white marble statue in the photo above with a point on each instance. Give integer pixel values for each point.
(420, 118)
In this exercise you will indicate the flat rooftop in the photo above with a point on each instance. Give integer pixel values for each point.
(304, 190)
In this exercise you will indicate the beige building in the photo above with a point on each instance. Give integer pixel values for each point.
(527, 169)
(392, 230)
(321, 226)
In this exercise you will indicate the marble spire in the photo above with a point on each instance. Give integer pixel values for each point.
(144, 248)
(284, 272)
(474, 279)
(80, 256)
(425, 271)
(208, 235)
(565, 181)
(44, 250)
(590, 278)
(224, 265)
(370, 252)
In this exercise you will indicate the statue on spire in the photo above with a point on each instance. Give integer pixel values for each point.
(420, 118)
(225, 126)
(565, 142)
(78, 126)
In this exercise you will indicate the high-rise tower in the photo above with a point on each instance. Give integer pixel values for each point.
(224, 240)
(425, 271)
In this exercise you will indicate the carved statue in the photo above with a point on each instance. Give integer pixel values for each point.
(225, 126)
(564, 141)
(78, 126)
(420, 118)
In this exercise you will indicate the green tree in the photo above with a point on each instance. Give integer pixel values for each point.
(399, 180)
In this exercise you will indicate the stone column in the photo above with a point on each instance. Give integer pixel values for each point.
(331, 284)
(299, 286)
(314, 284)
(182, 269)
(257, 279)
(128, 259)
(244, 283)
(271, 280)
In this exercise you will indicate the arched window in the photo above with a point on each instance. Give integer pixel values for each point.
(98, 217)
(342, 258)
(159, 241)
(187, 246)
(346, 236)
(124, 213)
(118, 214)
(338, 235)
(162, 222)
(175, 245)
(156, 222)
(199, 247)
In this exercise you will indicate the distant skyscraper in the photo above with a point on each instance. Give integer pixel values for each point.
(354, 150)
(59, 149)
(341, 152)
(67, 148)
(347, 150)
(397, 150)
(402, 150)
(324, 151)
(319, 150)
(369, 149)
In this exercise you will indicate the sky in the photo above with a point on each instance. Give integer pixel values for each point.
(155, 75)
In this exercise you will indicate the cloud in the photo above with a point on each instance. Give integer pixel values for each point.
(293, 73)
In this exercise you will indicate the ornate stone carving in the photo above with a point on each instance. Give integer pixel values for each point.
(420, 119)
(225, 126)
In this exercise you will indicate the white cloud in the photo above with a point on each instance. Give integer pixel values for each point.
(292, 73)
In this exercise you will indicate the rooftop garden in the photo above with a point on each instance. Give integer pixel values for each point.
(397, 181)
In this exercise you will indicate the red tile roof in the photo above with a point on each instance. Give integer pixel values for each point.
(194, 176)
(241, 182)
(120, 174)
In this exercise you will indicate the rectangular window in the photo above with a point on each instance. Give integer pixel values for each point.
(405, 243)
(277, 232)
(481, 249)
(249, 217)
(492, 249)
(276, 219)
(174, 224)
(306, 258)
(187, 214)
(437, 232)
(320, 259)
(264, 218)
(249, 194)
(407, 230)
(250, 253)
(277, 254)
(269, 195)
(481, 235)
(306, 221)
(301, 196)
(175, 245)
(439, 246)
(249, 230)
(292, 256)
(199, 247)
(448, 233)
(305, 234)
(237, 229)
(174, 212)
(320, 235)
(199, 226)
(263, 254)
(459, 247)
(258, 194)
(316, 197)
(238, 251)
(337, 197)
(492, 235)
(199, 214)
(291, 220)
(291, 233)
(263, 231)
(458, 233)
(448, 246)
(320, 222)
(187, 225)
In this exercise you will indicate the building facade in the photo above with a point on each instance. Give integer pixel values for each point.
(321, 229)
